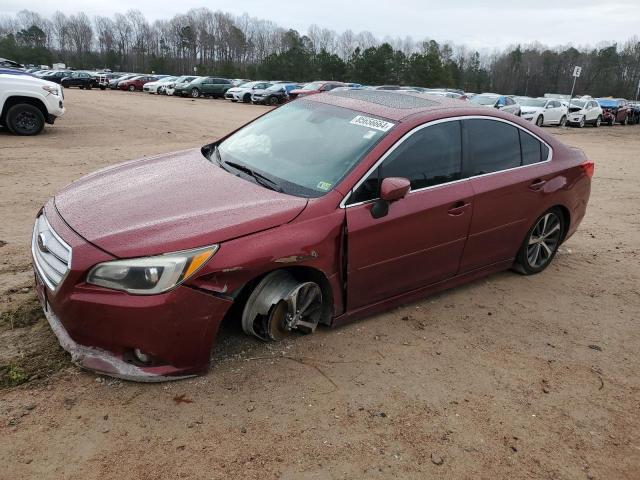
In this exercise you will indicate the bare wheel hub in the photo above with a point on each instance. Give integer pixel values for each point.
(281, 304)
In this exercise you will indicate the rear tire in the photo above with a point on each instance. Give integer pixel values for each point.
(541, 244)
(598, 122)
(24, 119)
(273, 101)
(132, 88)
(563, 121)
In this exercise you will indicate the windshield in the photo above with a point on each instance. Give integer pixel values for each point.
(276, 88)
(249, 84)
(312, 86)
(578, 103)
(305, 148)
(484, 99)
(167, 79)
(531, 102)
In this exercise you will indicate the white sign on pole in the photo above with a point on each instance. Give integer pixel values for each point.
(577, 71)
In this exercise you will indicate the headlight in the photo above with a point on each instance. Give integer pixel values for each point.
(150, 275)
(51, 90)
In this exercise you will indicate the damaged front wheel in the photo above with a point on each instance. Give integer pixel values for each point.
(281, 304)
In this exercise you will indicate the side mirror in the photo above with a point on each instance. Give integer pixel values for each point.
(394, 188)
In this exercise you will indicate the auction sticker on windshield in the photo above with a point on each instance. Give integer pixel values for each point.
(371, 122)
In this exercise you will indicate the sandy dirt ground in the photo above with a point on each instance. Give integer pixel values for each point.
(509, 377)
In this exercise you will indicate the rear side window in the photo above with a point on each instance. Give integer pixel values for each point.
(491, 146)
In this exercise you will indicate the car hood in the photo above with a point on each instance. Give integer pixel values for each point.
(526, 110)
(170, 202)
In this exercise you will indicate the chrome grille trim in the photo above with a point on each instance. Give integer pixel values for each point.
(51, 256)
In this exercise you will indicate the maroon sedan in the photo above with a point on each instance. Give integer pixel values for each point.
(314, 87)
(136, 83)
(323, 210)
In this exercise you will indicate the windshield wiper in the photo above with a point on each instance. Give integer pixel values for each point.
(258, 177)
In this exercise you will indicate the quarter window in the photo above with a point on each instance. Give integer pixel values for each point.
(491, 146)
(531, 149)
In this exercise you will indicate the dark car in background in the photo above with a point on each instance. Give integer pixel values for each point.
(113, 84)
(136, 83)
(312, 88)
(104, 79)
(81, 80)
(614, 110)
(275, 94)
(204, 87)
(56, 76)
(634, 113)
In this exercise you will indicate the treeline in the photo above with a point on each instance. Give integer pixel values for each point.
(246, 47)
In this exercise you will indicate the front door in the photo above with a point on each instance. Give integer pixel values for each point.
(421, 239)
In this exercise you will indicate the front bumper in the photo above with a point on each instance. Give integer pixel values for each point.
(101, 327)
(235, 96)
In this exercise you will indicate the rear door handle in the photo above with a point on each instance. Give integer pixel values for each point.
(537, 185)
(458, 208)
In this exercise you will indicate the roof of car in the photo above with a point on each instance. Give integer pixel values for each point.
(394, 105)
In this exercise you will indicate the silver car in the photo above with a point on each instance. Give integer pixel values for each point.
(494, 100)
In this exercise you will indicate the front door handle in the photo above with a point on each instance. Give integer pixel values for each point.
(458, 208)
(537, 185)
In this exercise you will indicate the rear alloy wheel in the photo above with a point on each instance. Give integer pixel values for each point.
(563, 121)
(541, 243)
(132, 88)
(195, 93)
(540, 121)
(598, 122)
(25, 119)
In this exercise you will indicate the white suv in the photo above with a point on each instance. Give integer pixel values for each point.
(27, 102)
(585, 111)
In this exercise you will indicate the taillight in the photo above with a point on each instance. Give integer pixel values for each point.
(588, 168)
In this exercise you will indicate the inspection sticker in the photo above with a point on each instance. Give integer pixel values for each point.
(324, 186)
(370, 122)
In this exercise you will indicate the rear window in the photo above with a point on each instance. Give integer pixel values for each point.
(491, 146)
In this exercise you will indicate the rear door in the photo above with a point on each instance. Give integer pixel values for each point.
(421, 239)
(208, 86)
(507, 169)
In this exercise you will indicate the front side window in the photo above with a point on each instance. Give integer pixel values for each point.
(431, 156)
(491, 146)
(304, 147)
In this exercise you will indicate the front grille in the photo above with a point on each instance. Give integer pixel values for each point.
(51, 255)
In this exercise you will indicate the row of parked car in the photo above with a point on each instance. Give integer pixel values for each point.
(543, 111)
(560, 110)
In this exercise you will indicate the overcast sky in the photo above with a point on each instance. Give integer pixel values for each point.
(481, 24)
